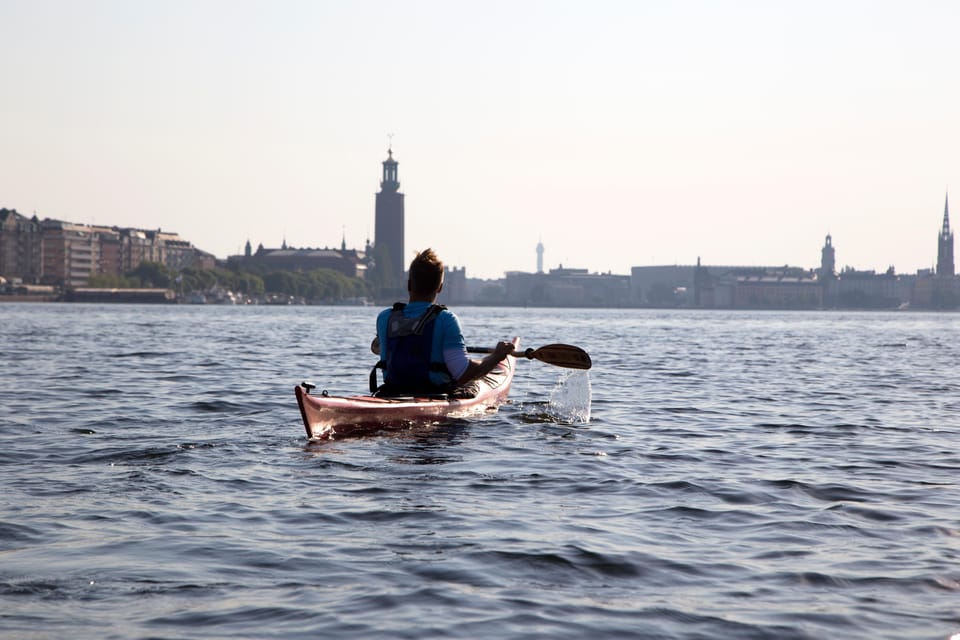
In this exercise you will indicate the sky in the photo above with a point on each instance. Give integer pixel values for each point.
(617, 133)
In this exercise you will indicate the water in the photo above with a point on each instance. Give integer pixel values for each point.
(739, 475)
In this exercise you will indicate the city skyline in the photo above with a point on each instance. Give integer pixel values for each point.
(394, 232)
(618, 134)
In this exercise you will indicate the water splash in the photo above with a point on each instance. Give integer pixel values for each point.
(570, 398)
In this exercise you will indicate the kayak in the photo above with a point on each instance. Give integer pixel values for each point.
(329, 417)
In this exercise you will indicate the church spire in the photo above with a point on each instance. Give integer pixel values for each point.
(945, 244)
(946, 214)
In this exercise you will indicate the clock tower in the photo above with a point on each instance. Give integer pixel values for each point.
(388, 228)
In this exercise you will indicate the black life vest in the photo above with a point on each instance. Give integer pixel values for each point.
(405, 357)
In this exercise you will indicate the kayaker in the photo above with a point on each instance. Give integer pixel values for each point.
(425, 351)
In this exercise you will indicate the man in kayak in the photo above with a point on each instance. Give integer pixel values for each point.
(421, 343)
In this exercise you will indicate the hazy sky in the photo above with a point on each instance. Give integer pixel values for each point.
(618, 133)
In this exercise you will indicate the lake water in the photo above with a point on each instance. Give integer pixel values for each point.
(742, 475)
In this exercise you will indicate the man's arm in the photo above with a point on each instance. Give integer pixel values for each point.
(479, 368)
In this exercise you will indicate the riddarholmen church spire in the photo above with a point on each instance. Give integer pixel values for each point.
(945, 244)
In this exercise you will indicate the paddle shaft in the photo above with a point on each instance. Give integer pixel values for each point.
(561, 355)
(515, 354)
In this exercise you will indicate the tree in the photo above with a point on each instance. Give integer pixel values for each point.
(320, 285)
(152, 274)
(109, 281)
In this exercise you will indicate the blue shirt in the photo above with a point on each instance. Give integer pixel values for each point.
(448, 346)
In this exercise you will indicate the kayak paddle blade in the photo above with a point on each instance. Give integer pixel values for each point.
(561, 355)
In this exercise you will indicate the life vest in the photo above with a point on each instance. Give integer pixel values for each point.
(406, 356)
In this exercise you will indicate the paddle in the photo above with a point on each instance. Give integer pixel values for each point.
(560, 355)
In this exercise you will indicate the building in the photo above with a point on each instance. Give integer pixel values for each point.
(111, 250)
(454, 286)
(70, 253)
(87, 294)
(945, 267)
(853, 289)
(67, 254)
(20, 246)
(828, 260)
(388, 230)
(177, 253)
(944, 292)
(725, 287)
(688, 285)
(778, 291)
(349, 262)
(565, 287)
(138, 246)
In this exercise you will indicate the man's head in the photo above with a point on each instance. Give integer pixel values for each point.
(426, 274)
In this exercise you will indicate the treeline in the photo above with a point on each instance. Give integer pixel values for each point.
(320, 285)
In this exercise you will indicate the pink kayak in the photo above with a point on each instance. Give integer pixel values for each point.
(328, 417)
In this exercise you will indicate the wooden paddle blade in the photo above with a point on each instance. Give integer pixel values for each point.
(561, 355)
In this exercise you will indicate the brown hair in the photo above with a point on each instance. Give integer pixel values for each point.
(426, 273)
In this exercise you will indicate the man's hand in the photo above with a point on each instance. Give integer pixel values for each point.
(502, 350)
(480, 368)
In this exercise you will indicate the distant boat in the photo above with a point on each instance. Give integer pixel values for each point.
(219, 295)
(196, 297)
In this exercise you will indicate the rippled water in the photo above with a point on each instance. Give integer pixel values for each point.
(742, 475)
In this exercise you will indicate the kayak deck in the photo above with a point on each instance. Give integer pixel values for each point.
(326, 416)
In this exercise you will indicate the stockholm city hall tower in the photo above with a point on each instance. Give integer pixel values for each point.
(388, 228)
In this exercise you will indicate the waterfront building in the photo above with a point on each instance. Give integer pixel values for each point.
(662, 285)
(828, 260)
(726, 287)
(67, 254)
(861, 289)
(388, 230)
(349, 262)
(945, 265)
(20, 246)
(138, 246)
(140, 296)
(111, 250)
(944, 290)
(70, 253)
(454, 286)
(778, 291)
(565, 287)
(867, 289)
(177, 252)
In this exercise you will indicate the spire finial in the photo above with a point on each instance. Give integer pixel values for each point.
(946, 214)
